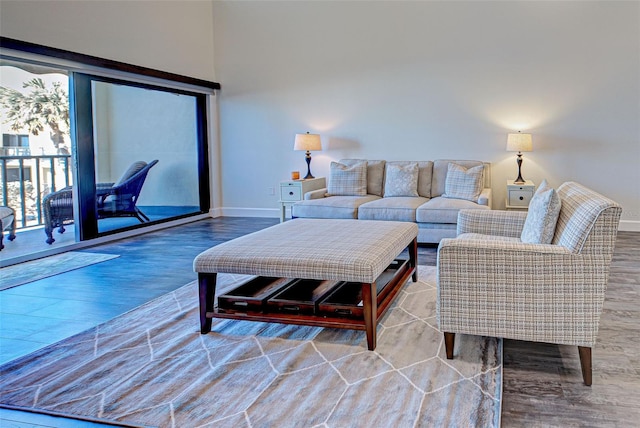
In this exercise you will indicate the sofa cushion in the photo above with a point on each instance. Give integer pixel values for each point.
(375, 174)
(544, 209)
(399, 208)
(443, 210)
(348, 180)
(401, 180)
(463, 183)
(440, 170)
(333, 207)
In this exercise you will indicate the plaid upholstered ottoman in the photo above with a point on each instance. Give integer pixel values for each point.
(314, 259)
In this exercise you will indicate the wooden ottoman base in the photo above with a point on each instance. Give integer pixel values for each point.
(351, 291)
(376, 299)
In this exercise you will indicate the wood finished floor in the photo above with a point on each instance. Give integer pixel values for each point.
(542, 383)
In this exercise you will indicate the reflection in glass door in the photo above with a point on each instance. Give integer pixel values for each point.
(142, 154)
(145, 148)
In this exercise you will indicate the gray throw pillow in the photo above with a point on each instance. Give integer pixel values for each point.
(463, 183)
(345, 180)
(544, 209)
(401, 180)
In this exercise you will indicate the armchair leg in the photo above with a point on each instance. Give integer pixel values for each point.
(449, 340)
(139, 214)
(48, 230)
(12, 233)
(585, 363)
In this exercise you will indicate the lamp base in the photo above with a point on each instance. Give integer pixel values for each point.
(519, 180)
(308, 159)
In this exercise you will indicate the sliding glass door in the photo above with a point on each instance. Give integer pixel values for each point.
(92, 147)
(141, 153)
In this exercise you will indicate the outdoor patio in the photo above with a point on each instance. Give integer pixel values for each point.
(31, 241)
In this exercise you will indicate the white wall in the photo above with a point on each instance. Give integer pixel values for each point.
(428, 80)
(174, 36)
(393, 80)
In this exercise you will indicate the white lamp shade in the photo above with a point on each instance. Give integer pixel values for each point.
(307, 141)
(519, 142)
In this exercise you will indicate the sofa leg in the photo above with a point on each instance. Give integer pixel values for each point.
(449, 339)
(585, 363)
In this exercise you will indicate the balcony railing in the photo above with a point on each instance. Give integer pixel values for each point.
(27, 179)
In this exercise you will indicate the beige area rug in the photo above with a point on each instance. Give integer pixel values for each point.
(152, 367)
(12, 276)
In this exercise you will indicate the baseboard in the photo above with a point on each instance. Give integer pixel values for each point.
(250, 212)
(215, 212)
(629, 226)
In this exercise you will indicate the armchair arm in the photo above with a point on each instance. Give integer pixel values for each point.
(485, 197)
(536, 292)
(104, 186)
(315, 194)
(103, 190)
(63, 196)
(491, 222)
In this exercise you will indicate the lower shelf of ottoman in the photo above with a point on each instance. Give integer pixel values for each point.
(265, 296)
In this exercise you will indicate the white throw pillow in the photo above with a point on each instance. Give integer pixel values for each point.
(544, 209)
(348, 180)
(401, 180)
(463, 183)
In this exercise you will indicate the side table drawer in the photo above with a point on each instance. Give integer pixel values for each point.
(519, 198)
(290, 193)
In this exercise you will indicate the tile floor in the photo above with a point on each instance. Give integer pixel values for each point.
(42, 312)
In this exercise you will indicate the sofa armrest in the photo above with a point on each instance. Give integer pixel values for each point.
(315, 194)
(485, 197)
(491, 222)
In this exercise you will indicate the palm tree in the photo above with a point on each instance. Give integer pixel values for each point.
(40, 108)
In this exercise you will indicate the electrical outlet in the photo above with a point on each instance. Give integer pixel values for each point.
(271, 191)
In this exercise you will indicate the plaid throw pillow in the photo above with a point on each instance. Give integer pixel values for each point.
(401, 180)
(544, 209)
(463, 183)
(345, 180)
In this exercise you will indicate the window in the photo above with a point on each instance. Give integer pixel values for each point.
(13, 174)
(15, 145)
(15, 140)
(118, 114)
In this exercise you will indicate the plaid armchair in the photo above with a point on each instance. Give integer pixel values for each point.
(492, 284)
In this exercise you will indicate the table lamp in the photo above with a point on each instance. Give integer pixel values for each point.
(307, 142)
(519, 143)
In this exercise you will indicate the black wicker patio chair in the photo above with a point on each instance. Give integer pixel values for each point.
(112, 200)
(120, 200)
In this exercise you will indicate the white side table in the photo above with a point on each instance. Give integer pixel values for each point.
(519, 195)
(293, 191)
